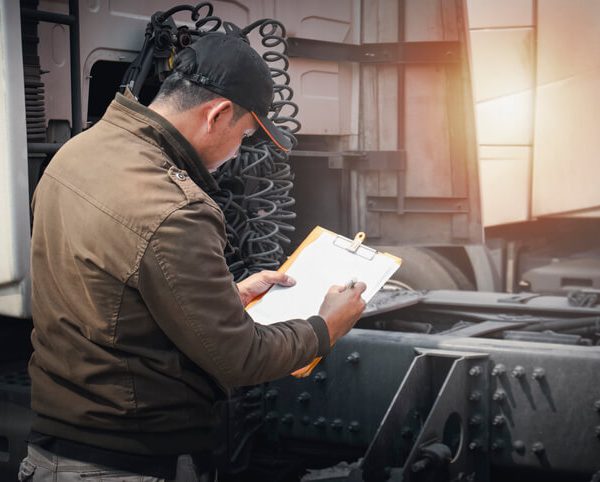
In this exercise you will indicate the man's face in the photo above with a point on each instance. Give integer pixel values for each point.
(228, 134)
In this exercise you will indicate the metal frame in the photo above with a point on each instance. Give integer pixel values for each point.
(72, 21)
(533, 403)
(372, 53)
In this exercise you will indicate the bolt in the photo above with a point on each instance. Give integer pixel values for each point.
(519, 446)
(499, 396)
(271, 394)
(337, 424)
(271, 417)
(498, 421)
(538, 448)
(498, 370)
(353, 358)
(420, 465)
(475, 420)
(406, 433)
(475, 396)
(253, 394)
(253, 417)
(354, 426)
(320, 422)
(475, 371)
(320, 377)
(539, 374)
(518, 372)
(287, 419)
(475, 445)
(304, 397)
(597, 405)
(498, 445)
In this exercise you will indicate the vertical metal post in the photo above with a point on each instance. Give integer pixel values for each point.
(401, 144)
(77, 123)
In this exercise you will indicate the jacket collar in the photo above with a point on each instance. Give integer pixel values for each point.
(139, 119)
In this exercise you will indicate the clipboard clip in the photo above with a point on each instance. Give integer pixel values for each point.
(357, 242)
(355, 246)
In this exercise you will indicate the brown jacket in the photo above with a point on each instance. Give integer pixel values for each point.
(138, 325)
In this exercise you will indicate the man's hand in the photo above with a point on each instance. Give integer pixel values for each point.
(341, 309)
(258, 283)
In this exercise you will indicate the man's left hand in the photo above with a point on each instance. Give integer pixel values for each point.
(258, 283)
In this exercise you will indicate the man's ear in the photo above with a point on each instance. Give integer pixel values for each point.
(218, 111)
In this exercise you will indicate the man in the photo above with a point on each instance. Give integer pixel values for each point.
(138, 326)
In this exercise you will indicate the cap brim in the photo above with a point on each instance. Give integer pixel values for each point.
(271, 132)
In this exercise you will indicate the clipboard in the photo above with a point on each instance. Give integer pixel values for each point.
(323, 259)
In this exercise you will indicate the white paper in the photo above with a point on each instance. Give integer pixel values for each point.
(319, 266)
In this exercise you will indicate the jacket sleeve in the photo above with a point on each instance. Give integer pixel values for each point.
(186, 284)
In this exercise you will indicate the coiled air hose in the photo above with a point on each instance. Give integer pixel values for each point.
(254, 188)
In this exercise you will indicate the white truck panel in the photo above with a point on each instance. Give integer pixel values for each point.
(567, 141)
(535, 81)
(505, 180)
(327, 85)
(14, 188)
(492, 13)
(503, 71)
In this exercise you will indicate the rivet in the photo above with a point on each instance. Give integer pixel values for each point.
(475, 396)
(353, 358)
(287, 419)
(253, 394)
(499, 395)
(475, 371)
(271, 417)
(337, 424)
(475, 445)
(498, 421)
(475, 420)
(519, 446)
(538, 448)
(181, 176)
(305, 420)
(320, 422)
(539, 373)
(304, 397)
(518, 372)
(498, 445)
(354, 426)
(320, 376)
(498, 370)
(597, 405)
(271, 394)
(253, 417)
(597, 430)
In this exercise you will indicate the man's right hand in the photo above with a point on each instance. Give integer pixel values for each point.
(341, 309)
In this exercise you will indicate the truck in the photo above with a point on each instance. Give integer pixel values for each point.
(449, 133)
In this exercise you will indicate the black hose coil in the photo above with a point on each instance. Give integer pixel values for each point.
(255, 187)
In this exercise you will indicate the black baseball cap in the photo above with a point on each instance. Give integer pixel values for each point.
(227, 65)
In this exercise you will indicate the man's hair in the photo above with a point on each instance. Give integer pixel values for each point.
(182, 94)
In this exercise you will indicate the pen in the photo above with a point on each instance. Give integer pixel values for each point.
(350, 284)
